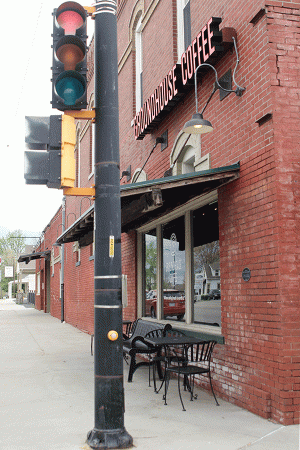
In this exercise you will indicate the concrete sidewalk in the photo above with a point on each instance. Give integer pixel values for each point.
(47, 398)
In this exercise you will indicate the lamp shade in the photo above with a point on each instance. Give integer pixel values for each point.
(197, 125)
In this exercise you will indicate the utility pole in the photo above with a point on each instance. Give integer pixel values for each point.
(109, 431)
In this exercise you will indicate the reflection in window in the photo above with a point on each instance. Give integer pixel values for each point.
(183, 26)
(207, 307)
(174, 269)
(150, 273)
(138, 65)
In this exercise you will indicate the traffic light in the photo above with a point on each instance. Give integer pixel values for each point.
(69, 66)
(53, 140)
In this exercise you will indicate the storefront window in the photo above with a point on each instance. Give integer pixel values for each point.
(182, 276)
(174, 270)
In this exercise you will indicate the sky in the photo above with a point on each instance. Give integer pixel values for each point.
(26, 91)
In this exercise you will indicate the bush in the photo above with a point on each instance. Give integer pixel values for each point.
(204, 297)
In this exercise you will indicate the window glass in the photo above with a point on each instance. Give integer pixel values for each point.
(138, 66)
(150, 273)
(187, 25)
(174, 270)
(207, 276)
(38, 283)
(183, 26)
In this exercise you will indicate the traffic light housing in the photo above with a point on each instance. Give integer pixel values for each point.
(52, 161)
(69, 65)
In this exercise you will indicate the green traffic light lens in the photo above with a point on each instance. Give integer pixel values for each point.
(70, 87)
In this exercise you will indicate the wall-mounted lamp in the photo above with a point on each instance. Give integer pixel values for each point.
(198, 125)
(159, 140)
(126, 173)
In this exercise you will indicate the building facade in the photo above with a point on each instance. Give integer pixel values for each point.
(229, 198)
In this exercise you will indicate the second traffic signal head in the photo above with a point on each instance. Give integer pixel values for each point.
(69, 57)
(52, 161)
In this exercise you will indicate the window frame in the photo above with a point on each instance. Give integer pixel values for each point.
(183, 30)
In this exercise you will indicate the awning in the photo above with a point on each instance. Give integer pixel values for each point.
(35, 255)
(148, 200)
(81, 230)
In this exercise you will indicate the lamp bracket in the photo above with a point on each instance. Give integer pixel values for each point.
(238, 91)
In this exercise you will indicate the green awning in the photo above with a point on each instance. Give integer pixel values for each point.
(148, 200)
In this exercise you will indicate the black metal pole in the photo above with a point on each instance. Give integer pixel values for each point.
(109, 431)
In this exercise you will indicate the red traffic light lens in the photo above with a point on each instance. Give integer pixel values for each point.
(70, 16)
(70, 21)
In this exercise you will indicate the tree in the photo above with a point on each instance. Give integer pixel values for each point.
(206, 254)
(11, 246)
(150, 266)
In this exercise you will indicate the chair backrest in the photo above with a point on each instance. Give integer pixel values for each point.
(142, 327)
(159, 332)
(201, 352)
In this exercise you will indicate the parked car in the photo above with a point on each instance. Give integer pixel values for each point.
(214, 294)
(174, 303)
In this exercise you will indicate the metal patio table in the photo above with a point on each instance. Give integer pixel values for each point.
(168, 342)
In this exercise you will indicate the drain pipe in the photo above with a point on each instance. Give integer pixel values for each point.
(62, 280)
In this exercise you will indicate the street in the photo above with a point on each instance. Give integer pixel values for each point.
(208, 311)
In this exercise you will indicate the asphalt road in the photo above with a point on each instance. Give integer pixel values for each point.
(208, 311)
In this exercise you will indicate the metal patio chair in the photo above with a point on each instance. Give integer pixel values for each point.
(170, 354)
(198, 359)
(153, 358)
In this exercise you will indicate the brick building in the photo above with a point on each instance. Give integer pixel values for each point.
(229, 197)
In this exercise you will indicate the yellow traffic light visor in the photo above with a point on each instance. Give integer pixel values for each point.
(68, 141)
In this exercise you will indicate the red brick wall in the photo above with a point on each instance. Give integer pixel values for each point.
(283, 27)
(129, 268)
(79, 289)
(50, 235)
(258, 213)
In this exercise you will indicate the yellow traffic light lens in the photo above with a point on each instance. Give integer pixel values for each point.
(70, 50)
(70, 55)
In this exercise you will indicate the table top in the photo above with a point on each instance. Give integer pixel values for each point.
(173, 340)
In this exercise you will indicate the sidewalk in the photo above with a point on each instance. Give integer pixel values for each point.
(47, 398)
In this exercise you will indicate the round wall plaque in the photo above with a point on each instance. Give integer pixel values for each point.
(246, 274)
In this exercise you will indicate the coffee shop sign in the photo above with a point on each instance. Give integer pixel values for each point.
(206, 47)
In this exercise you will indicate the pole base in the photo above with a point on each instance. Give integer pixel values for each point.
(105, 439)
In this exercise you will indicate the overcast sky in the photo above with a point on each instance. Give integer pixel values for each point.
(26, 90)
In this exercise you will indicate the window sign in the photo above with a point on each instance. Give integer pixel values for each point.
(8, 271)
